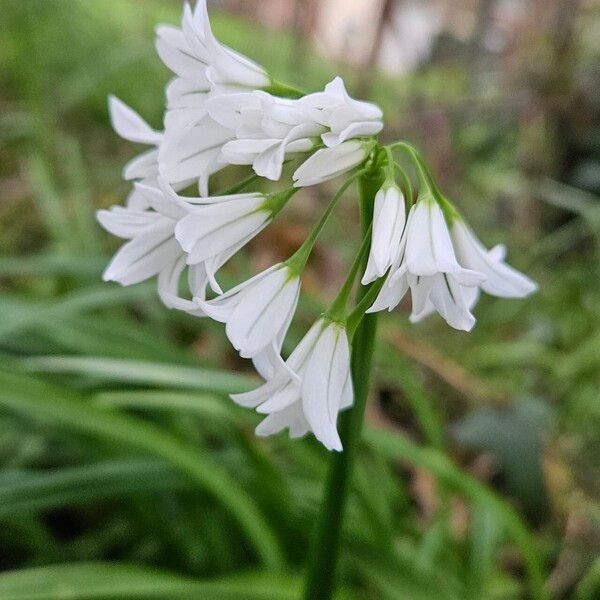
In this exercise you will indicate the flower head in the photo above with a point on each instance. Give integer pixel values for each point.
(310, 392)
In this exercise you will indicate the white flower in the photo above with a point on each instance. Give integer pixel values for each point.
(428, 266)
(152, 248)
(205, 69)
(328, 163)
(343, 116)
(502, 280)
(194, 54)
(257, 314)
(308, 395)
(217, 227)
(267, 130)
(389, 219)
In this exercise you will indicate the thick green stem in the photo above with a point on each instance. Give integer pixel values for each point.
(326, 543)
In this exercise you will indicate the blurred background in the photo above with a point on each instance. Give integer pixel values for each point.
(126, 471)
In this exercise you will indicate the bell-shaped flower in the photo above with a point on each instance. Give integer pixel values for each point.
(257, 314)
(152, 249)
(267, 130)
(344, 117)
(389, 219)
(328, 163)
(310, 392)
(427, 264)
(501, 279)
(217, 227)
(194, 54)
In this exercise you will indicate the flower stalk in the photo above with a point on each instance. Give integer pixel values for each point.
(320, 582)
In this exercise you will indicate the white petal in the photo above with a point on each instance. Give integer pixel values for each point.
(327, 163)
(390, 294)
(429, 247)
(127, 223)
(322, 387)
(164, 204)
(143, 166)
(168, 287)
(230, 68)
(388, 224)
(354, 130)
(291, 417)
(144, 256)
(174, 50)
(261, 394)
(129, 125)
(262, 313)
(447, 297)
(502, 280)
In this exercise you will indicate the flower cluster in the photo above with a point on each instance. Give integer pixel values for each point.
(223, 109)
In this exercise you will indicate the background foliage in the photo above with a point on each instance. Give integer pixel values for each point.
(126, 471)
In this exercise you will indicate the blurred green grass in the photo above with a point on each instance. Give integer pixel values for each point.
(127, 473)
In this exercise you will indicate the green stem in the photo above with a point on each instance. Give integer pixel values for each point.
(238, 187)
(356, 316)
(298, 260)
(337, 310)
(324, 557)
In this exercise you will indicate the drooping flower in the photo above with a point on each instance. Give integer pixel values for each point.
(343, 116)
(389, 219)
(205, 69)
(194, 54)
(328, 163)
(427, 264)
(502, 280)
(219, 226)
(311, 391)
(267, 130)
(152, 249)
(257, 314)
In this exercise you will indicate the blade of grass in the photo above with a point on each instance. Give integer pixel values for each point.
(116, 581)
(397, 447)
(32, 491)
(39, 400)
(142, 373)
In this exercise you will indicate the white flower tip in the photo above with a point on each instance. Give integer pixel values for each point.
(129, 125)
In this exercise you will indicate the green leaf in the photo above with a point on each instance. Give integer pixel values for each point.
(485, 533)
(116, 581)
(142, 373)
(23, 492)
(39, 400)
